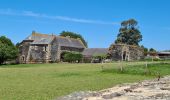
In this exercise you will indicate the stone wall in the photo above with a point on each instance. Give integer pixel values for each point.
(125, 52)
(23, 51)
(38, 54)
(54, 51)
(136, 53)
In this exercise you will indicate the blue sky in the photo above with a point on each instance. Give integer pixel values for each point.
(97, 20)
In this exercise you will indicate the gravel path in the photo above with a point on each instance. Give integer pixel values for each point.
(146, 90)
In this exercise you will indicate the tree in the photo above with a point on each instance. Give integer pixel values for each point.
(129, 33)
(152, 52)
(145, 50)
(8, 51)
(74, 35)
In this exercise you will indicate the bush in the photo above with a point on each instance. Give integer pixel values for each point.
(72, 57)
(8, 51)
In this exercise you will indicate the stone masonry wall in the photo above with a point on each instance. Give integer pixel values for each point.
(54, 50)
(38, 54)
(125, 52)
(23, 52)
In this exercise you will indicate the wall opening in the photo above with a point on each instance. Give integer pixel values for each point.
(124, 56)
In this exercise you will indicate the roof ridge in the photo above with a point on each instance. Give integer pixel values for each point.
(66, 37)
(39, 34)
(96, 48)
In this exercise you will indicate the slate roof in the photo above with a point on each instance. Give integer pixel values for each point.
(92, 51)
(167, 53)
(42, 39)
(69, 42)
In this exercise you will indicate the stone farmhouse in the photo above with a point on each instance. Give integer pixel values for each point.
(44, 48)
(49, 48)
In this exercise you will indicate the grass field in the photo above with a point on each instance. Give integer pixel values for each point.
(49, 81)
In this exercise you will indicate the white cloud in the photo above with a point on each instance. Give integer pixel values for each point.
(10, 12)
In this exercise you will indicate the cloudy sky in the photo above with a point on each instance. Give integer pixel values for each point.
(97, 20)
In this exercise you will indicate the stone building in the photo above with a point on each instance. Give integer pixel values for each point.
(125, 52)
(41, 48)
(163, 55)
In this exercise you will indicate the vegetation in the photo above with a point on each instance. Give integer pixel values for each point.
(100, 57)
(129, 33)
(152, 69)
(152, 52)
(8, 51)
(49, 81)
(74, 35)
(72, 57)
(145, 50)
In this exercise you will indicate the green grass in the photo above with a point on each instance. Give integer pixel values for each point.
(152, 69)
(49, 81)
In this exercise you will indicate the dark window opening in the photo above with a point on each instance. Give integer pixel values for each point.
(23, 58)
(45, 48)
(124, 55)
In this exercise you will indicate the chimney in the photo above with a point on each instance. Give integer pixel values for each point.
(33, 35)
(33, 32)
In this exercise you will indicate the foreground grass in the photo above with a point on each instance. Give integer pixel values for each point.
(49, 81)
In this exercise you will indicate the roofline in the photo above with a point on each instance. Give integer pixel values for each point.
(97, 48)
(163, 53)
(26, 41)
(72, 47)
(126, 44)
(38, 44)
(82, 43)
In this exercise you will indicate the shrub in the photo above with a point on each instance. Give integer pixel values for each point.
(72, 57)
(8, 51)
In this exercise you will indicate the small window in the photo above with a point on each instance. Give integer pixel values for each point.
(23, 58)
(45, 48)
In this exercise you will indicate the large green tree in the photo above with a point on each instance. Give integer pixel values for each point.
(8, 50)
(74, 35)
(129, 33)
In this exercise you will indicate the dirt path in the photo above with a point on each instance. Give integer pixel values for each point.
(146, 90)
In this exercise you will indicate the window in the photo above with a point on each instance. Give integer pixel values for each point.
(45, 48)
(23, 58)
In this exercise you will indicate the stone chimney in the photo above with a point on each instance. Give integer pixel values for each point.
(33, 32)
